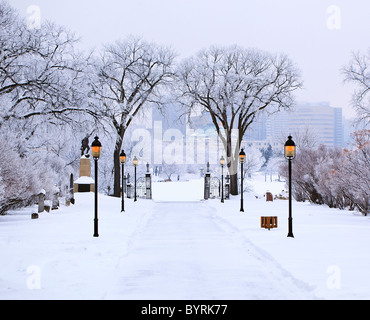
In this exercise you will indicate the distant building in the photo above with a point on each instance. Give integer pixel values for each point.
(156, 138)
(323, 120)
(257, 131)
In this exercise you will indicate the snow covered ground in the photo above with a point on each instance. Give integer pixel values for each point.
(185, 249)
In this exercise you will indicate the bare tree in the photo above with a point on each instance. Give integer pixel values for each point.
(41, 89)
(358, 72)
(41, 73)
(336, 177)
(305, 138)
(356, 171)
(129, 75)
(233, 86)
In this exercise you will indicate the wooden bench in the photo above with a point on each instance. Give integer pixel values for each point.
(269, 222)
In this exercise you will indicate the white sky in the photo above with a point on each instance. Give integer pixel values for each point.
(296, 27)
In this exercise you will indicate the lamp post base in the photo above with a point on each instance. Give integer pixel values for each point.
(290, 232)
(96, 234)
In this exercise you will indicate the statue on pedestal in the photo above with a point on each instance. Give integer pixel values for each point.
(84, 183)
(85, 146)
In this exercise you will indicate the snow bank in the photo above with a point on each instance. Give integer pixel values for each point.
(57, 257)
(154, 246)
(329, 248)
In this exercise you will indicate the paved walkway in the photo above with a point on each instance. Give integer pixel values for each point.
(185, 252)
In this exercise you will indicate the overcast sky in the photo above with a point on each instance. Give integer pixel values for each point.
(318, 35)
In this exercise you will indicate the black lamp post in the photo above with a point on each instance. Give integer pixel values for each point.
(135, 162)
(122, 159)
(289, 153)
(96, 151)
(242, 160)
(222, 162)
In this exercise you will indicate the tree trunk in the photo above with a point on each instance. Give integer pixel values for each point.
(232, 164)
(234, 184)
(116, 174)
(117, 165)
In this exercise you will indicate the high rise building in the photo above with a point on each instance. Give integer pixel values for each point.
(324, 121)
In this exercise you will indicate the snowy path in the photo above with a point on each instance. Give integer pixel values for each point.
(186, 252)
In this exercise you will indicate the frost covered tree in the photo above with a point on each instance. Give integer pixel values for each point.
(358, 72)
(42, 90)
(17, 184)
(233, 86)
(42, 79)
(41, 73)
(129, 75)
(304, 183)
(23, 176)
(254, 160)
(335, 177)
(356, 171)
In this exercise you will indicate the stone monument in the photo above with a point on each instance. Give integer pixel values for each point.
(84, 183)
(55, 201)
(41, 203)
